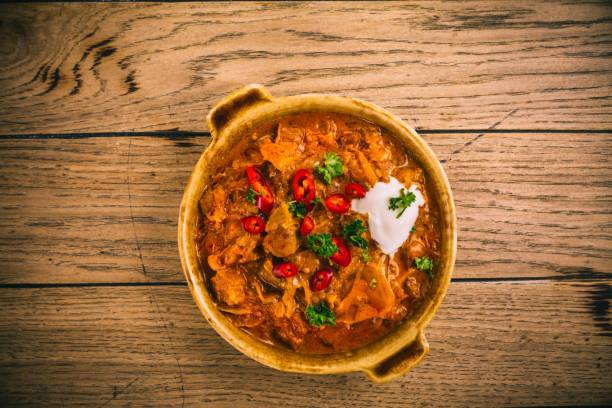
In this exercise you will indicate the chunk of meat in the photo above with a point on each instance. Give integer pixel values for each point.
(306, 261)
(233, 229)
(213, 204)
(414, 286)
(281, 240)
(280, 218)
(291, 329)
(287, 306)
(360, 168)
(229, 284)
(242, 250)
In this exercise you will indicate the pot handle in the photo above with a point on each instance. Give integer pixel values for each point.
(228, 108)
(400, 362)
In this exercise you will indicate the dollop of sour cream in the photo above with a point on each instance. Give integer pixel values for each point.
(386, 229)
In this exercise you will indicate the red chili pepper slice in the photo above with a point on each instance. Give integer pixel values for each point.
(355, 190)
(303, 186)
(343, 256)
(320, 280)
(337, 203)
(307, 226)
(265, 198)
(265, 203)
(285, 270)
(253, 224)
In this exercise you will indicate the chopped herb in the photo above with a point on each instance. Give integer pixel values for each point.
(332, 167)
(405, 200)
(425, 264)
(298, 209)
(320, 315)
(322, 245)
(250, 197)
(413, 229)
(353, 233)
(315, 201)
(373, 283)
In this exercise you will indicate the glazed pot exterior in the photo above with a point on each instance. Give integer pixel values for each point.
(385, 359)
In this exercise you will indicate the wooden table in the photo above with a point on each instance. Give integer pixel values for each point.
(101, 121)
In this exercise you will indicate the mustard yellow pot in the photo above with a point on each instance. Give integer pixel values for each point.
(385, 359)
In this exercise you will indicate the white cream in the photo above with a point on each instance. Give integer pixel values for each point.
(386, 229)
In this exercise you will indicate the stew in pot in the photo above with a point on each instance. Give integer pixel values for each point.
(317, 232)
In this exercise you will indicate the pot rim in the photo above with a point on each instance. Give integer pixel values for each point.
(243, 110)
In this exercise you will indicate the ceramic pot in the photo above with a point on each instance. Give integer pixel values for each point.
(402, 348)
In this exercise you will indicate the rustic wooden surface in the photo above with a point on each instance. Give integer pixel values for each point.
(149, 345)
(101, 67)
(101, 121)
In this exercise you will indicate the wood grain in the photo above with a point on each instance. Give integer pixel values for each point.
(94, 308)
(541, 343)
(124, 67)
(105, 209)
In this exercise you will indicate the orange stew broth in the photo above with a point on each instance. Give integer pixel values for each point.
(367, 298)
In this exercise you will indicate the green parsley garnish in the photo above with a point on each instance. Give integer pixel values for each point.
(405, 200)
(425, 264)
(332, 167)
(320, 315)
(353, 233)
(298, 209)
(413, 229)
(322, 245)
(315, 201)
(250, 197)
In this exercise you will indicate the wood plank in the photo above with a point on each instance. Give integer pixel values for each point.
(492, 344)
(123, 67)
(105, 209)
